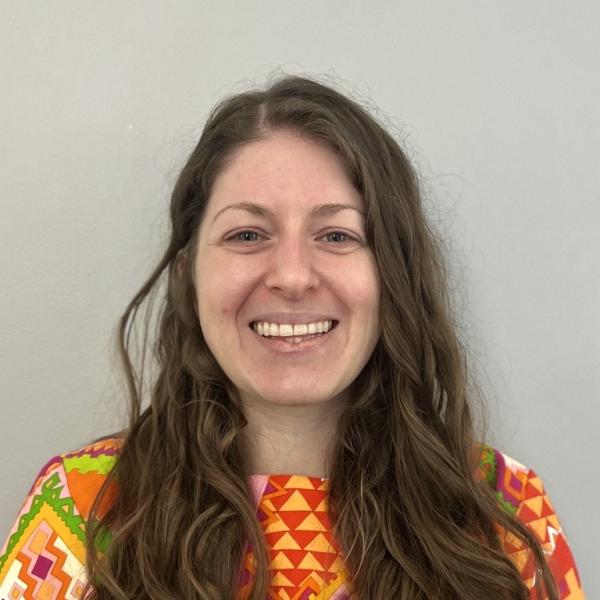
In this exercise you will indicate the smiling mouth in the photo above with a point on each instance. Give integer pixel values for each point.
(307, 336)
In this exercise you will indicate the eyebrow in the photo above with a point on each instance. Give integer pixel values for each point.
(318, 211)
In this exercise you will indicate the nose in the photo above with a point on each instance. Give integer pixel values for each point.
(291, 268)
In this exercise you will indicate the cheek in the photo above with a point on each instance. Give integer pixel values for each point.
(361, 283)
(220, 291)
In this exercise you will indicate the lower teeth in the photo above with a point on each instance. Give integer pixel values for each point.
(295, 340)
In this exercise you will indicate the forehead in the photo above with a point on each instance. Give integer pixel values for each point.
(286, 169)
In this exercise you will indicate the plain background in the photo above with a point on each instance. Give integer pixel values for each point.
(496, 103)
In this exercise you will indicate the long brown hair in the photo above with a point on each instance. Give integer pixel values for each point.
(407, 511)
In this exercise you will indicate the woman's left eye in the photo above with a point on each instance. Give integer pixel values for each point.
(338, 233)
(236, 236)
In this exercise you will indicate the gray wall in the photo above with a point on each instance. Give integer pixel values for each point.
(498, 103)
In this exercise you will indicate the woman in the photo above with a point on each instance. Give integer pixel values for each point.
(309, 430)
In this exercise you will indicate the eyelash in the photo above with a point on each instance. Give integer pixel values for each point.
(235, 235)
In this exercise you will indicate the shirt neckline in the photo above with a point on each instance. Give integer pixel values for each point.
(288, 475)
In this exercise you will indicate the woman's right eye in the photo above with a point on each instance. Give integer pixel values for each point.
(236, 236)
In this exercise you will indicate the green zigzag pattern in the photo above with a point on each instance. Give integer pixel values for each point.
(86, 463)
(488, 459)
(507, 506)
(490, 470)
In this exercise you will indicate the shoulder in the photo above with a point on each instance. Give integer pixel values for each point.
(45, 548)
(521, 492)
(513, 483)
(87, 468)
(78, 474)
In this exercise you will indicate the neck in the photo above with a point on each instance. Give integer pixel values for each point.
(290, 440)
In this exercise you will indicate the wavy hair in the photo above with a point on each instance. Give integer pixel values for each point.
(410, 517)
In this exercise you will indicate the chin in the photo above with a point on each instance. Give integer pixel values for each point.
(300, 396)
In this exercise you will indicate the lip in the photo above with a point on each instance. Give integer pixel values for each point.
(278, 346)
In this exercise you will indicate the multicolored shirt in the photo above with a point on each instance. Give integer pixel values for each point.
(44, 555)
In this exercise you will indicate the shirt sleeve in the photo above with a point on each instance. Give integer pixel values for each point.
(44, 554)
(521, 492)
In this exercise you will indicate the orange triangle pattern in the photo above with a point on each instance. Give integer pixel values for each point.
(306, 562)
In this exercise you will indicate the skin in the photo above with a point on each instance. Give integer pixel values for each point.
(292, 264)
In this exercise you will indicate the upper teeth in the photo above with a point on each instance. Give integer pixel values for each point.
(286, 329)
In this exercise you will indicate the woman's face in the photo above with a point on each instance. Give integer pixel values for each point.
(287, 262)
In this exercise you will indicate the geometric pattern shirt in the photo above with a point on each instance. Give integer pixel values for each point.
(43, 556)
